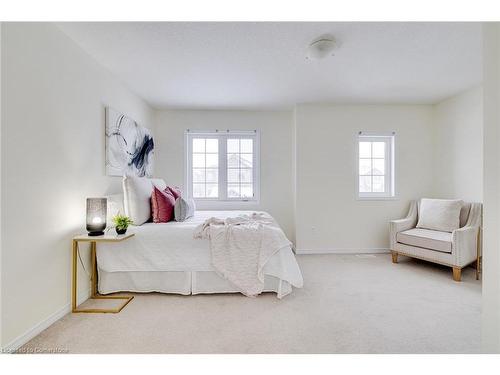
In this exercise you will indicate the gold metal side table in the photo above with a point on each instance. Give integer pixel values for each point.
(94, 293)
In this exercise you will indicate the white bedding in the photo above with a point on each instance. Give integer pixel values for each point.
(171, 247)
(241, 247)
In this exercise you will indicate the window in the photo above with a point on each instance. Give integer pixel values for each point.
(375, 165)
(240, 167)
(222, 165)
(205, 168)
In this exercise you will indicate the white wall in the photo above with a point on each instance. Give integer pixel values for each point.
(1, 186)
(458, 123)
(53, 100)
(275, 152)
(490, 324)
(328, 215)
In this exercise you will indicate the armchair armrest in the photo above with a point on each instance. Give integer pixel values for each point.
(464, 244)
(409, 222)
(401, 225)
(466, 240)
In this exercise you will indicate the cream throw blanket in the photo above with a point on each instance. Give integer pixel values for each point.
(241, 246)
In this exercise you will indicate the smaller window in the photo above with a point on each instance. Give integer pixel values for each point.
(375, 165)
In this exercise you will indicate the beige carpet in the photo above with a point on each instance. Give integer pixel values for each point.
(349, 304)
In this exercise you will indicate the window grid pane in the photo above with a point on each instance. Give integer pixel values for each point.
(240, 167)
(371, 170)
(204, 169)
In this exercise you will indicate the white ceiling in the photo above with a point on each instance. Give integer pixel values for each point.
(256, 65)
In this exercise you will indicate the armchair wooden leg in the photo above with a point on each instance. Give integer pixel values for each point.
(394, 256)
(457, 273)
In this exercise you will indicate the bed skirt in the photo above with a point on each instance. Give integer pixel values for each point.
(178, 282)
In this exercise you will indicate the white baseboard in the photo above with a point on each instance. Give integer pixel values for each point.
(376, 250)
(41, 326)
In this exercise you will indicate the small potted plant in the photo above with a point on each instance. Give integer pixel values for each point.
(121, 223)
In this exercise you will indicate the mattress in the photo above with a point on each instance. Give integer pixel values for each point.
(166, 254)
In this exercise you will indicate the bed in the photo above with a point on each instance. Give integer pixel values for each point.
(166, 258)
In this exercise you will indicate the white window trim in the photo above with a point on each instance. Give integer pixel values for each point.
(223, 201)
(390, 165)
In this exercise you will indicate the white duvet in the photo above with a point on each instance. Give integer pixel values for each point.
(171, 247)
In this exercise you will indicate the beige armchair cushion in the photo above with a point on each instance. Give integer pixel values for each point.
(425, 238)
(439, 214)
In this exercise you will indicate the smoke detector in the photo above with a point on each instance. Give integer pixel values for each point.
(321, 48)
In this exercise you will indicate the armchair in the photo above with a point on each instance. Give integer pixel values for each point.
(456, 250)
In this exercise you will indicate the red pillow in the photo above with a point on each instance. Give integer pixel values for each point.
(176, 192)
(162, 205)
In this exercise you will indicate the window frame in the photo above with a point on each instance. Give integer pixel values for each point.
(389, 158)
(222, 135)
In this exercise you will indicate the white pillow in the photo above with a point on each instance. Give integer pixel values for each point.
(439, 214)
(137, 197)
(115, 207)
(159, 183)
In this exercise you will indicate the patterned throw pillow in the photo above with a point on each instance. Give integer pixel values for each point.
(162, 205)
(176, 192)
